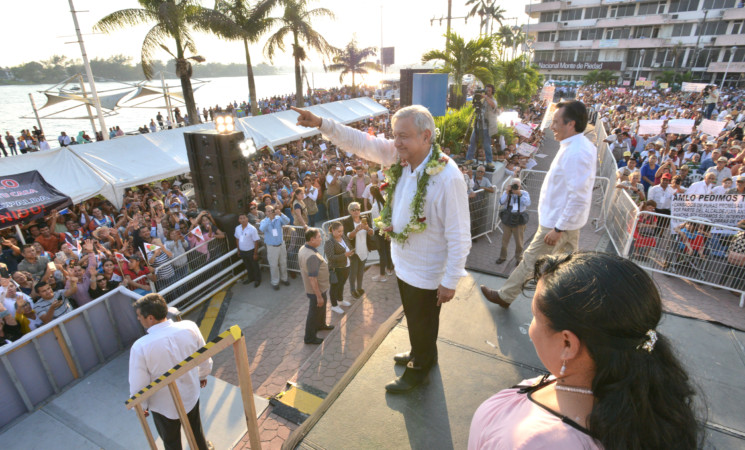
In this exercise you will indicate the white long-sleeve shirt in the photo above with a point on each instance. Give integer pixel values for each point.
(438, 254)
(165, 345)
(663, 197)
(566, 193)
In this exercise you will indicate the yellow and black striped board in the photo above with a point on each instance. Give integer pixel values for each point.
(235, 332)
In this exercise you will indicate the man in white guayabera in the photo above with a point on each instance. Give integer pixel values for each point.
(427, 218)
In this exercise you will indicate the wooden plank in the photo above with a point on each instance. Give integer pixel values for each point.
(244, 382)
(146, 427)
(66, 352)
(183, 415)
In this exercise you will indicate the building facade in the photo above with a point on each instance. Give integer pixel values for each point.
(638, 39)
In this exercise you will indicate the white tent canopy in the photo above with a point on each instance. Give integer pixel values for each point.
(108, 167)
(64, 170)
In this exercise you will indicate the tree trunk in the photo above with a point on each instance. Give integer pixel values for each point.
(299, 100)
(353, 88)
(251, 83)
(183, 70)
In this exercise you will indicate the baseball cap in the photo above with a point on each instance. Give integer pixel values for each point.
(667, 176)
(627, 153)
(739, 178)
(722, 159)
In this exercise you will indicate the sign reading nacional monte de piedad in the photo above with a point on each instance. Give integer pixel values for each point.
(561, 65)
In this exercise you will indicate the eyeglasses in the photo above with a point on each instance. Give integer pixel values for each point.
(100, 279)
(354, 209)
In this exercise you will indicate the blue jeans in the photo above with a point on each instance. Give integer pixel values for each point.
(709, 109)
(487, 145)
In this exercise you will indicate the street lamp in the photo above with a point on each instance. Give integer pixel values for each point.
(639, 66)
(731, 57)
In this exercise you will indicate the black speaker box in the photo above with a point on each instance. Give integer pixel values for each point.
(219, 171)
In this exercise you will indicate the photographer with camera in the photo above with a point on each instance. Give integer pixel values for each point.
(513, 216)
(484, 120)
(711, 98)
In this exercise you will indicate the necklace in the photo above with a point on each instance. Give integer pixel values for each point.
(576, 390)
(417, 222)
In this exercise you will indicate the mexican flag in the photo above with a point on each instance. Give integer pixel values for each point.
(198, 233)
(120, 257)
(150, 247)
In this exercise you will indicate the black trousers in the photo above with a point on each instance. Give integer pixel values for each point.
(423, 319)
(316, 316)
(252, 265)
(170, 429)
(337, 289)
(356, 272)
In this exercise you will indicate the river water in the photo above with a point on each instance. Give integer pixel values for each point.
(15, 103)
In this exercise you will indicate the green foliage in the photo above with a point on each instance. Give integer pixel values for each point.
(515, 82)
(671, 76)
(606, 77)
(461, 58)
(454, 125)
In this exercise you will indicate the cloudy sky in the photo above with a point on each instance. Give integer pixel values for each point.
(38, 29)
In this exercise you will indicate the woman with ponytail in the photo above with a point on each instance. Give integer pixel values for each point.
(614, 381)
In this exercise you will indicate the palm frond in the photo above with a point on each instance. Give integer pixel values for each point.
(153, 39)
(124, 18)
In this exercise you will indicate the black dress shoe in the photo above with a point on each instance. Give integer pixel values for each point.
(247, 281)
(315, 340)
(275, 287)
(402, 358)
(360, 292)
(286, 282)
(408, 381)
(326, 327)
(499, 261)
(356, 294)
(257, 283)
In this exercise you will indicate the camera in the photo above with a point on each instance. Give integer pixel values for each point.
(478, 98)
(515, 187)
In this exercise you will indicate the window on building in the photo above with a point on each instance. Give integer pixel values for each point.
(646, 9)
(718, 4)
(588, 55)
(543, 56)
(549, 16)
(565, 55)
(634, 58)
(591, 34)
(739, 55)
(646, 32)
(622, 10)
(704, 56)
(682, 29)
(546, 36)
(571, 14)
(736, 27)
(714, 28)
(598, 12)
(568, 35)
(683, 5)
(617, 33)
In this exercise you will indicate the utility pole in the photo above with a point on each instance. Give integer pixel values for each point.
(698, 39)
(450, 16)
(89, 73)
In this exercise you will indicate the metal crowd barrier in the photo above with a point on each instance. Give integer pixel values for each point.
(46, 361)
(337, 204)
(482, 210)
(690, 249)
(372, 258)
(620, 210)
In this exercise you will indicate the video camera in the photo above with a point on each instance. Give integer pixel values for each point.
(478, 98)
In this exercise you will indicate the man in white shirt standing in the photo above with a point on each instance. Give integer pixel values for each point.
(166, 344)
(429, 259)
(662, 194)
(565, 201)
(704, 186)
(247, 241)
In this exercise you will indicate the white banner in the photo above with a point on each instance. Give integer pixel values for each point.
(680, 126)
(547, 93)
(526, 149)
(725, 209)
(693, 87)
(711, 127)
(650, 127)
(523, 129)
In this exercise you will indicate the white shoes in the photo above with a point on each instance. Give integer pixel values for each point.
(345, 303)
(337, 310)
(380, 278)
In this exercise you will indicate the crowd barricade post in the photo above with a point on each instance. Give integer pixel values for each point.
(698, 255)
(372, 258)
(233, 337)
(620, 213)
(478, 207)
(336, 205)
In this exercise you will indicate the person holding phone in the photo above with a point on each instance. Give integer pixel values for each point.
(52, 304)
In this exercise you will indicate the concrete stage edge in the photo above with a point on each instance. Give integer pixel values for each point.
(92, 415)
(483, 349)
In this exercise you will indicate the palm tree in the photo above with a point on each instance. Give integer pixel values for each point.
(252, 22)
(514, 81)
(494, 13)
(351, 60)
(506, 39)
(488, 11)
(295, 23)
(461, 58)
(174, 20)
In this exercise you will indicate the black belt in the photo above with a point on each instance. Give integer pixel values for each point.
(278, 245)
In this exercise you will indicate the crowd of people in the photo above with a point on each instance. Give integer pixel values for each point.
(652, 168)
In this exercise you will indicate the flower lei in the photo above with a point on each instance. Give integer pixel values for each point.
(417, 223)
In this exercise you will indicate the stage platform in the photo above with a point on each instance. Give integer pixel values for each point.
(92, 415)
(483, 349)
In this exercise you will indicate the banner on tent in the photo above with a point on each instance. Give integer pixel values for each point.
(27, 196)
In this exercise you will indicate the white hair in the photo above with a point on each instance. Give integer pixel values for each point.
(423, 119)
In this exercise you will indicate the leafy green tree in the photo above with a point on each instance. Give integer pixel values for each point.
(606, 77)
(296, 24)
(461, 58)
(174, 20)
(488, 11)
(253, 23)
(352, 60)
(515, 82)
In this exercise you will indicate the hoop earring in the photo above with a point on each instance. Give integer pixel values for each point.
(563, 368)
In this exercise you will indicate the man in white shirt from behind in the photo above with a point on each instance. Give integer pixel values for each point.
(166, 344)
(429, 263)
(565, 201)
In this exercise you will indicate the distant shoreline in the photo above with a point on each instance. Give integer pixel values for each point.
(5, 82)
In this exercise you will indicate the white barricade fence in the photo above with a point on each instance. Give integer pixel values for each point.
(336, 205)
(696, 250)
(482, 208)
(621, 210)
(189, 279)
